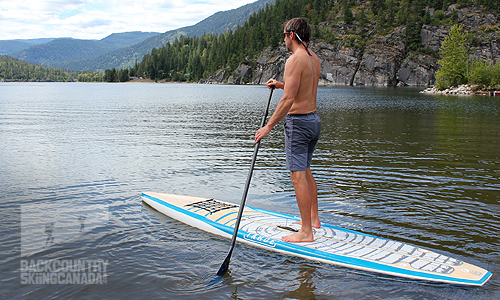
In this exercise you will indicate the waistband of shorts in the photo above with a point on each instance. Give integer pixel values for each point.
(303, 115)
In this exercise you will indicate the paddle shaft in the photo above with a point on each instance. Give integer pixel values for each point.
(225, 265)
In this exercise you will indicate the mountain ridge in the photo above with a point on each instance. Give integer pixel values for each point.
(57, 50)
(112, 52)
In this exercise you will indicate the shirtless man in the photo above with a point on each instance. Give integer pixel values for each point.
(302, 128)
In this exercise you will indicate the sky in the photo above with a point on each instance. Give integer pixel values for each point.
(96, 19)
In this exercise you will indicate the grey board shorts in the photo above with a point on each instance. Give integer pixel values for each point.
(301, 136)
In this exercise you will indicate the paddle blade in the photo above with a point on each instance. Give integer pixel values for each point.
(225, 266)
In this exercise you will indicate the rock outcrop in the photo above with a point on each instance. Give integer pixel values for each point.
(382, 60)
(462, 90)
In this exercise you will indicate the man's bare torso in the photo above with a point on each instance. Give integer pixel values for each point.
(305, 99)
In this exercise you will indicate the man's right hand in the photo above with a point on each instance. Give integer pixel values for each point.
(262, 133)
(274, 83)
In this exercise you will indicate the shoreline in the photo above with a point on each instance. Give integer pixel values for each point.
(461, 90)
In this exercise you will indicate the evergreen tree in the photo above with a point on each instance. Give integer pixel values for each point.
(454, 59)
(124, 75)
(348, 17)
(110, 75)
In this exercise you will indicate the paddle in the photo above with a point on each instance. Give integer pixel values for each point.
(225, 265)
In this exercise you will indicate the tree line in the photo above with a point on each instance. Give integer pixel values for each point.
(109, 75)
(13, 69)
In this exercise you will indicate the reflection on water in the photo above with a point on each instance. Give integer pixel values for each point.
(49, 230)
(74, 159)
(305, 289)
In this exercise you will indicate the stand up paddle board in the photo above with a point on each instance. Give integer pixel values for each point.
(334, 245)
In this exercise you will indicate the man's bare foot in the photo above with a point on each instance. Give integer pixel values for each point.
(298, 237)
(314, 224)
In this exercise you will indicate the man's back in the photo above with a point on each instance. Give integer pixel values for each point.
(309, 67)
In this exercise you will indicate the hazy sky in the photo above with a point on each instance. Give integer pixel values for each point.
(96, 19)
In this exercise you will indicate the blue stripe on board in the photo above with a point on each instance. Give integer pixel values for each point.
(231, 213)
(318, 254)
(232, 220)
(194, 209)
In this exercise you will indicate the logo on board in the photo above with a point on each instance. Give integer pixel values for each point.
(260, 239)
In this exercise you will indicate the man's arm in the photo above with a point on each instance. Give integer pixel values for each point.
(291, 87)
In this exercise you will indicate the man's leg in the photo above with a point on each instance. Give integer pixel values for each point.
(303, 194)
(313, 189)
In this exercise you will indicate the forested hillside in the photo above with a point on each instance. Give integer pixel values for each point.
(202, 56)
(382, 42)
(13, 69)
(125, 39)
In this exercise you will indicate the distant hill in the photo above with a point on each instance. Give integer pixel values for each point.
(126, 57)
(7, 47)
(57, 51)
(37, 41)
(63, 50)
(126, 39)
(12, 46)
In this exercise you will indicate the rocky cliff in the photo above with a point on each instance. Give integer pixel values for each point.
(377, 60)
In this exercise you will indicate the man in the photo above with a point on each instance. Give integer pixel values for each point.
(302, 128)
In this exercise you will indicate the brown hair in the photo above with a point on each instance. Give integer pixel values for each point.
(300, 27)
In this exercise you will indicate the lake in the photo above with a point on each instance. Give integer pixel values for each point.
(75, 158)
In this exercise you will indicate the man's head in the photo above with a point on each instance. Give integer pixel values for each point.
(300, 27)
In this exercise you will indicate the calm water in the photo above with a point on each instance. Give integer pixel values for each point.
(74, 159)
